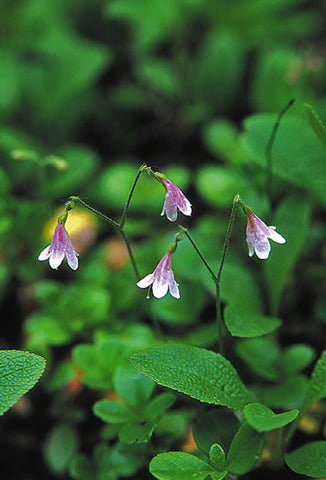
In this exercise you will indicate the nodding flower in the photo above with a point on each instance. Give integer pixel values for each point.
(162, 279)
(59, 248)
(258, 234)
(174, 199)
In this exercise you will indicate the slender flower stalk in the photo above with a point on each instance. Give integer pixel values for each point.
(227, 236)
(118, 226)
(269, 146)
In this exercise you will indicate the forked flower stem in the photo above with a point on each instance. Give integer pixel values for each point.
(201, 256)
(217, 278)
(118, 226)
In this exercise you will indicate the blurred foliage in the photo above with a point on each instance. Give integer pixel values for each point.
(88, 92)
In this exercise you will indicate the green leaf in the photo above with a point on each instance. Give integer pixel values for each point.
(262, 356)
(132, 387)
(316, 123)
(297, 357)
(310, 459)
(136, 432)
(298, 155)
(217, 456)
(60, 446)
(286, 395)
(202, 374)
(317, 385)
(245, 324)
(292, 221)
(179, 466)
(98, 362)
(215, 426)
(112, 411)
(244, 450)
(263, 419)
(243, 313)
(158, 405)
(82, 163)
(19, 371)
(217, 185)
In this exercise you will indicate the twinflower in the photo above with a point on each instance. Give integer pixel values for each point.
(174, 199)
(162, 279)
(258, 234)
(60, 247)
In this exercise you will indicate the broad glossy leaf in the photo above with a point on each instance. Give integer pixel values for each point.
(19, 371)
(200, 373)
(179, 466)
(310, 459)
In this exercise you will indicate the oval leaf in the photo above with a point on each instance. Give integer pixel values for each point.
(308, 460)
(263, 419)
(178, 466)
(200, 373)
(19, 371)
(317, 385)
(244, 450)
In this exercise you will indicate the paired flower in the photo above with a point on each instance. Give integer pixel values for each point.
(162, 279)
(60, 247)
(174, 199)
(258, 234)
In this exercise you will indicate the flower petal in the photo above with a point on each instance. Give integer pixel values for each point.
(72, 259)
(44, 255)
(146, 281)
(56, 259)
(170, 208)
(159, 288)
(263, 249)
(276, 237)
(174, 288)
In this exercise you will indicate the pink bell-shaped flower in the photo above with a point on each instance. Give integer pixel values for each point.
(258, 234)
(162, 279)
(174, 200)
(60, 247)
